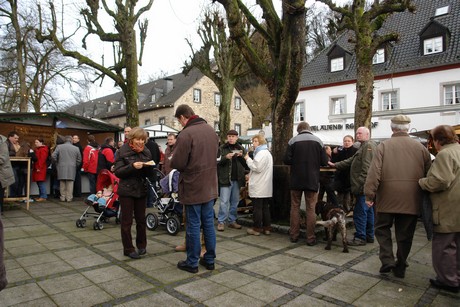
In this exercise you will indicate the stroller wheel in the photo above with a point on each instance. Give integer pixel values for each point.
(98, 226)
(83, 223)
(117, 220)
(152, 221)
(173, 225)
(78, 224)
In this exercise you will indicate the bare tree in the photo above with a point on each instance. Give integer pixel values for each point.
(224, 66)
(321, 29)
(365, 24)
(124, 71)
(29, 71)
(285, 38)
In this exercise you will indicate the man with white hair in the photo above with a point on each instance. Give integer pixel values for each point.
(392, 183)
(363, 215)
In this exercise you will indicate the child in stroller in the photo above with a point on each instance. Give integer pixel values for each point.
(169, 209)
(104, 202)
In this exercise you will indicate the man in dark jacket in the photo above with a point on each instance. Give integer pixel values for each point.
(305, 155)
(231, 174)
(195, 155)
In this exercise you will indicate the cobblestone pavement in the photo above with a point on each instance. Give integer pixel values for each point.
(51, 262)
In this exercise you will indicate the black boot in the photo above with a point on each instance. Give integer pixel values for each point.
(57, 194)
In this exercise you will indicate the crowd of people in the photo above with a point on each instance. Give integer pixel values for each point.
(382, 185)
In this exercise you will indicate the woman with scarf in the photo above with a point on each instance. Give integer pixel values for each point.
(260, 185)
(131, 168)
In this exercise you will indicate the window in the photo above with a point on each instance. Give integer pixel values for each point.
(338, 105)
(432, 45)
(389, 101)
(237, 103)
(217, 99)
(336, 64)
(197, 95)
(238, 128)
(299, 112)
(162, 120)
(147, 122)
(441, 11)
(451, 94)
(216, 126)
(379, 56)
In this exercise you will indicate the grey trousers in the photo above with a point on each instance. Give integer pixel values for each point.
(446, 257)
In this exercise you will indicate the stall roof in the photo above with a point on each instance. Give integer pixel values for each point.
(59, 120)
(425, 134)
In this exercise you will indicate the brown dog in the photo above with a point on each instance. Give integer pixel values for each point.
(334, 220)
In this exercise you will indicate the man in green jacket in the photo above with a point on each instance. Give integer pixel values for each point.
(363, 216)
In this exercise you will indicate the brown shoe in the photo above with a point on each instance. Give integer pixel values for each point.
(180, 248)
(40, 199)
(251, 231)
(267, 232)
(234, 225)
(220, 227)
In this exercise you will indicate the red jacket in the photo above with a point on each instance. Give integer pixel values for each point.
(90, 155)
(39, 168)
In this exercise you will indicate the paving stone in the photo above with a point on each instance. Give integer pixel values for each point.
(121, 287)
(41, 302)
(107, 273)
(202, 290)
(232, 279)
(50, 268)
(66, 283)
(263, 290)
(37, 259)
(301, 274)
(156, 299)
(390, 294)
(272, 264)
(17, 275)
(21, 294)
(233, 298)
(84, 297)
(305, 300)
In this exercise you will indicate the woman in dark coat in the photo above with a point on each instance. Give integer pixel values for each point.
(132, 166)
(342, 178)
(39, 168)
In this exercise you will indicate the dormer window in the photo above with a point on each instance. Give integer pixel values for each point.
(337, 64)
(432, 45)
(338, 58)
(434, 38)
(379, 56)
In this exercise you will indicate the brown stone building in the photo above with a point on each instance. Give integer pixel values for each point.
(159, 99)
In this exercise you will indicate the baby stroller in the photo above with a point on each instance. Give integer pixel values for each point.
(106, 209)
(169, 209)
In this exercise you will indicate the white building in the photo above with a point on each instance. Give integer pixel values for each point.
(418, 76)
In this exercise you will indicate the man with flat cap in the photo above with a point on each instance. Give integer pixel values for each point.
(231, 174)
(392, 187)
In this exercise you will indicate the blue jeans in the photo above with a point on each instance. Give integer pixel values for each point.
(229, 198)
(200, 215)
(363, 217)
(42, 189)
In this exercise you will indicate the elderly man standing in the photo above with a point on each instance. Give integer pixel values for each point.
(392, 182)
(67, 158)
(305, 155)
(363, 216)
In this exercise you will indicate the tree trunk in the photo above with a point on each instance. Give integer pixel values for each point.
(131, 96)
(364, 89)
(224, 108)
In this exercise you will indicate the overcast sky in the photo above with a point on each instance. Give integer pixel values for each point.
(170, 22)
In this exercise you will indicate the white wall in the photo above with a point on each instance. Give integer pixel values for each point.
(420, 97)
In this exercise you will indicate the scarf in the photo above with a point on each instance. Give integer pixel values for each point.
(259, 148)
(137, 148)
